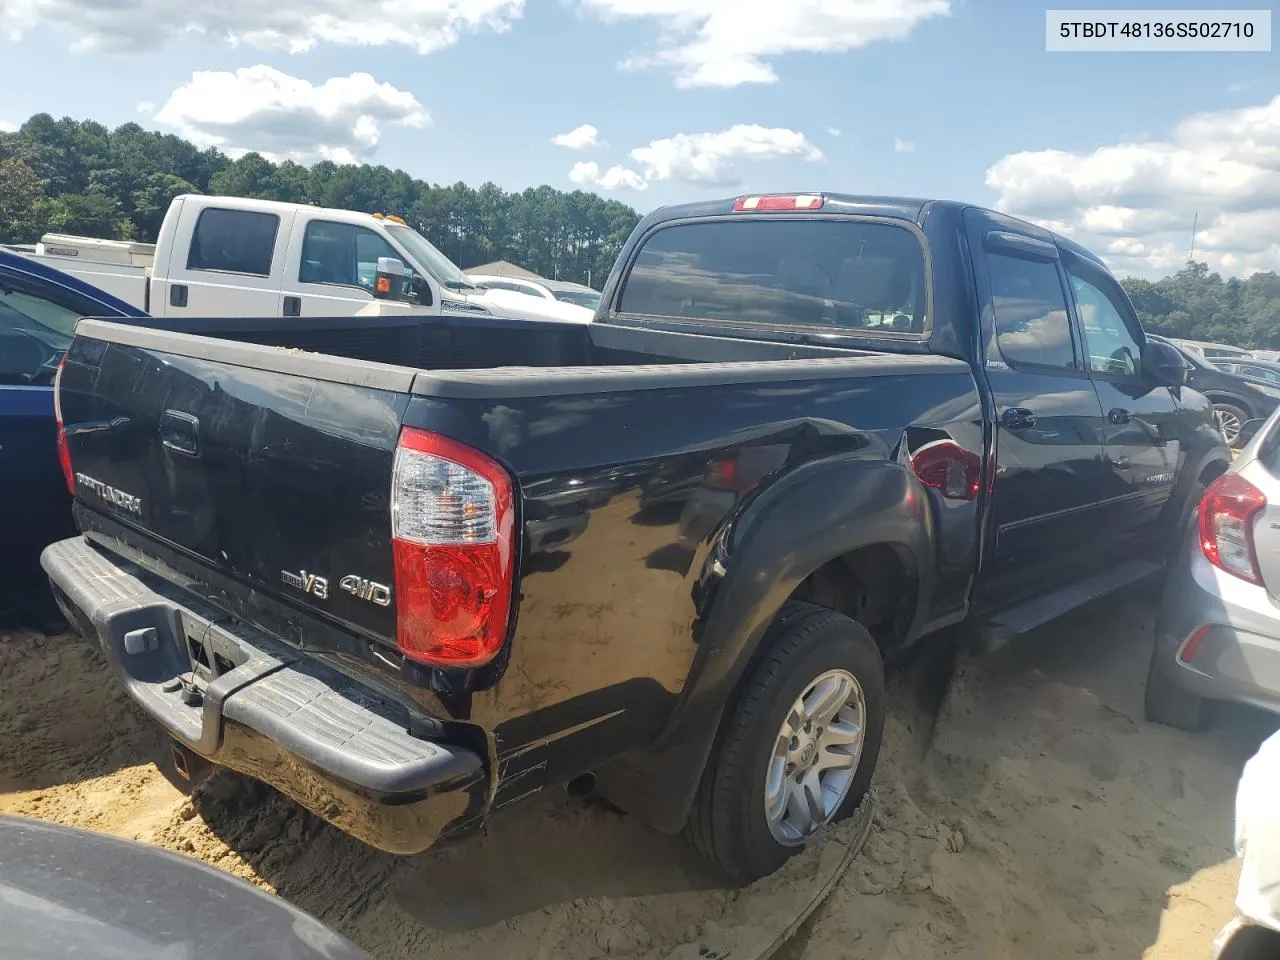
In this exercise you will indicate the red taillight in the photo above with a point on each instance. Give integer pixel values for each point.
(1226, 525)
(64, 452)
(948, 468)
(722, 474)
(452, 526)
(793, 201)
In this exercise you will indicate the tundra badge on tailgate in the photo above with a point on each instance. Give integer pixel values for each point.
(125, 501)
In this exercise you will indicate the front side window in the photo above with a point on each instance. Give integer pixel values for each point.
(342, 254)
(1261, 373)
(582, 298)
(844, 275)
(1111, 347)
(1031, 322)
(506, 285)
(233, 241)
(34, 333)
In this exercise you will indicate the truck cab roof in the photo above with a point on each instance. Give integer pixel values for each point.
(912, 209)
(281, 207)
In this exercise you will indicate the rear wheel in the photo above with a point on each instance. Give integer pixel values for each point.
(1229, 419)
(1168, 703)
(797, 750)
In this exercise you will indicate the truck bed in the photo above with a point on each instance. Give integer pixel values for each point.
(475, 343)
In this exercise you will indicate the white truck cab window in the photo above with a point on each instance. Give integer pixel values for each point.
(342, 253)
(233, 241)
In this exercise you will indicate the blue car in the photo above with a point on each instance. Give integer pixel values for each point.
(39, 307)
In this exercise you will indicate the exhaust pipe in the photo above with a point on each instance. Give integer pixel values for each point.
(581, 786)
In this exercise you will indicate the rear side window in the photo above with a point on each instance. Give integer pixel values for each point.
(233, 241)
(1032, 326)
(845, 275)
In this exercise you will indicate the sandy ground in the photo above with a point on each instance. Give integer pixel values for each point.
(1038, 817)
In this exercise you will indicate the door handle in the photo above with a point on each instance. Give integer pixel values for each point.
(177, 294)
(293, 306)
(1118, 416)
(1017, 418)
(1121, 462)
(180, 432)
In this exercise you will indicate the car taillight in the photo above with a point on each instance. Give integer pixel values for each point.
(948, 468)
(452, 519)
(64, 452)
(722, 474)
(1226, 525)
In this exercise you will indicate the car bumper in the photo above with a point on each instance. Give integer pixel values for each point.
(244, 700)
(1217, 635)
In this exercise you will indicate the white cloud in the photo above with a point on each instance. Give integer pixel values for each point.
(293, 25)
(903, 146)
(707, 158)
(146, 107)
(259, 108)
(1134, 203)
(833, 131)
(585, 137)
(587, 174)
(7, 127)
(724, 43)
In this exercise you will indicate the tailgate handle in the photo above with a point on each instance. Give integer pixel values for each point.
(180, 432)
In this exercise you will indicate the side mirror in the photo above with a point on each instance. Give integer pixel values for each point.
(390, 282)
(1162, 365)
(1248, 430)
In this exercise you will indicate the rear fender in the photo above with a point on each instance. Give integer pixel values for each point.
(756, 561)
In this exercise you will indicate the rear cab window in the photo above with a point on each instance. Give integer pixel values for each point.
(233, 241)
(839, 275)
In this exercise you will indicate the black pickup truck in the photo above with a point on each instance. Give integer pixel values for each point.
(412, 572)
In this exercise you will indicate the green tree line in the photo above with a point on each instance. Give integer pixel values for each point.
(78, 176)
(1198, 305)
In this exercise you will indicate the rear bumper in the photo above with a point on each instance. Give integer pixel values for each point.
(1227, 629)
(243, 700)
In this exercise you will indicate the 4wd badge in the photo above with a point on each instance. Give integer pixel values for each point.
(366, 589)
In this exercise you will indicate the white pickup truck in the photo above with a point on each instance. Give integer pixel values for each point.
(230, 256)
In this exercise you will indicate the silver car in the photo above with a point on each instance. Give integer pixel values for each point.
(1218, 630)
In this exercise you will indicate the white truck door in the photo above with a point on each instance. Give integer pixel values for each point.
(330, 268)
(226, 262)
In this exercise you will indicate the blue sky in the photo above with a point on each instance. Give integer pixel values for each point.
(1105, 146)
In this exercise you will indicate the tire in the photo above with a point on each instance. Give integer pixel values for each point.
(1169, 704)
(728, 826)
(1230, 418)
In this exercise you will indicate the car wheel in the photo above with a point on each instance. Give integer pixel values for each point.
(1168, 703)
(1229, 419)
(797, 749)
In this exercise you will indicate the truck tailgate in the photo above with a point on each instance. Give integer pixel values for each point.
(276, 480)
